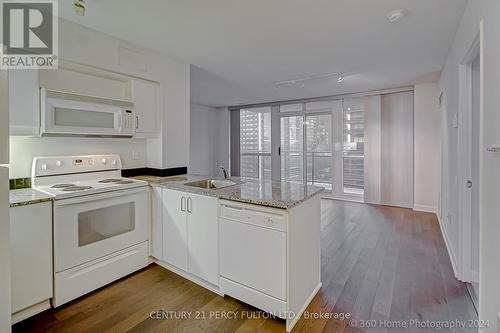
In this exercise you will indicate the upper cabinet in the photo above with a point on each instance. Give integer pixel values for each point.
(146, 107)
(24, 96)
(24, 115)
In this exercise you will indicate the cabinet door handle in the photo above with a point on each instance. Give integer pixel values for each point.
(189, 205)
(183, 205)
(136, 122)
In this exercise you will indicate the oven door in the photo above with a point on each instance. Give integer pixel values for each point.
(90, 227)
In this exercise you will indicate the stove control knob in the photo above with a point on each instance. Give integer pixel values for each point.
(43, 166)
(104, 161)
(115, 162)
(58, 163)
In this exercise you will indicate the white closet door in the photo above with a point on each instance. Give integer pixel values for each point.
(396, 181)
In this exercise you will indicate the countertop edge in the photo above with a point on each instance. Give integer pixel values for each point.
(28, 196)
(219, 193)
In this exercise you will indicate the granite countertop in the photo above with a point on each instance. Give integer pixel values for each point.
(284, 195)
(27, 196)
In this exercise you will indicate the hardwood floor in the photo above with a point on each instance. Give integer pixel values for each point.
(384, 264)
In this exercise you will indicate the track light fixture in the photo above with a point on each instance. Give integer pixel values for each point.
(301, 82)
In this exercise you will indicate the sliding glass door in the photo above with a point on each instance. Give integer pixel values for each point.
(306, 143)
(319, 143)
(353, 162)
(255, 142)
(292, 148)
(319, 150)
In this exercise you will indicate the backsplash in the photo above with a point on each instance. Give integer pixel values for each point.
(18, 183)
(23, 149)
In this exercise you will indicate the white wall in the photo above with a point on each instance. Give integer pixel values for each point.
(489, 11)
(203, 134)
(209, 139)
(222, 137)
(81, 45)
(5, 303)
(23, 149)
(427, 141)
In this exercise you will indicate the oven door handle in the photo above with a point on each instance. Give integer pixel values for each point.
(96, 197)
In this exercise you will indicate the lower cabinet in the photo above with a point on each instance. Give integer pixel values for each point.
(190, 233)
(174, 222)
(31, 259)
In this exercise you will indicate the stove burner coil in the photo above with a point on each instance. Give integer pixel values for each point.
(62, 185)
(107, 181)
(76, 188)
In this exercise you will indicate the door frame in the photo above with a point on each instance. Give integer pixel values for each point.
(465, 151)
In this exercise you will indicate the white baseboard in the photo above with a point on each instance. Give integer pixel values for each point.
(290, 323)
(424, 208)
(31, 311)
(447, 242)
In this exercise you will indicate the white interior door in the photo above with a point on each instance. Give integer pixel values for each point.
(475, 75)
(469, 169)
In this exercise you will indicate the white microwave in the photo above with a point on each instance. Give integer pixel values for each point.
(78, 115)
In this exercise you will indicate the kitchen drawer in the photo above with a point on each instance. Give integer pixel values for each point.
(262, 218)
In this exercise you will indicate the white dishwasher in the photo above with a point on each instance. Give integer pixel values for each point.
(253, 255)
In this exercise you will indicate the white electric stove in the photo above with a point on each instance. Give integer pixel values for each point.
(74, 176)
(101, 221)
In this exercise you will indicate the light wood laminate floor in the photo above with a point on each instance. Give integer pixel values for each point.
(384, 264)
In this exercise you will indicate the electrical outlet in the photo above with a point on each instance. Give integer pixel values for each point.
(136, 155)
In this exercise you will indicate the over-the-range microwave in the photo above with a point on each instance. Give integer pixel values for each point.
(71, 114)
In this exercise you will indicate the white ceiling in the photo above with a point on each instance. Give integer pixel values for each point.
(240, 48)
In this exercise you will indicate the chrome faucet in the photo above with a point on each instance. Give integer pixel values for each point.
(224, 171)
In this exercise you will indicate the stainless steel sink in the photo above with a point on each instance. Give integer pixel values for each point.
(211, 183)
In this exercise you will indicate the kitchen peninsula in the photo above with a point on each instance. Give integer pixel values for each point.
(255, 240)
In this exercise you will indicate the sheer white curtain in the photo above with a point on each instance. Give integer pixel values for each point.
(389, 149)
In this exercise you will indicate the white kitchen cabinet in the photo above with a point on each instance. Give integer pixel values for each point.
(31, 259)
(24, 114)
(156, 222)
(175, 229)
(202, 231)
(146, 107)
(190, 234)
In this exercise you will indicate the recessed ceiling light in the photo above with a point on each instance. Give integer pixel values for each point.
(396, 15)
